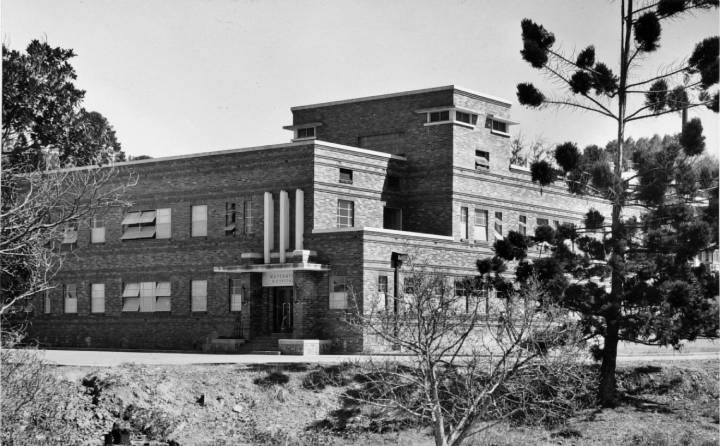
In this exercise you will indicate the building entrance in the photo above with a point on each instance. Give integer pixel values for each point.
(282, 309)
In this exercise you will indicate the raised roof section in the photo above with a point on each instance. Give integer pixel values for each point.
(483, 96)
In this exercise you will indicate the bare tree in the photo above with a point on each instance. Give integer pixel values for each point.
(41, 211)
(463, 347)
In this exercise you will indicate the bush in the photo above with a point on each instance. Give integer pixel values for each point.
(325, 376)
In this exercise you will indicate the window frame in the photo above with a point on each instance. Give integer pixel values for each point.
(70, 294)
(97, 230)
(97, 298)
(522, 224)
(485, 214)
(345, 221)
(248, 218)
(498, 225)
(230, 218)
(303, 133)
(198, 226)
(236, 298)
(338, 300)
(348, 175)
(464, 223)
(198, 301)
(482, 159)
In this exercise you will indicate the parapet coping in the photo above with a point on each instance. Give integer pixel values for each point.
(385, 231)
(404, 93)
(240, 150)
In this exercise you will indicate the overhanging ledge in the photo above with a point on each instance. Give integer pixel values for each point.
(271, 267)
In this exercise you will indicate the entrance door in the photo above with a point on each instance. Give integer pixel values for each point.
(282, 309)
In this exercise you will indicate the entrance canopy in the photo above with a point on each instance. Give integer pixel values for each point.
(265, 267)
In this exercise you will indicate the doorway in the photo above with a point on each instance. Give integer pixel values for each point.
(282, 309)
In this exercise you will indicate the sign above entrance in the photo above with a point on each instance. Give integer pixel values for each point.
(277, 278)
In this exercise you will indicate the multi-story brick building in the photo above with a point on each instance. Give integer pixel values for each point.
(269, 242)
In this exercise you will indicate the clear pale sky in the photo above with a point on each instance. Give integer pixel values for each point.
(183, 76)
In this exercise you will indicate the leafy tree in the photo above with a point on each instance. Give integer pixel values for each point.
(654, 296)
(41, 111)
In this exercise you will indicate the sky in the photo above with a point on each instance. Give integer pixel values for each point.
(176, 77)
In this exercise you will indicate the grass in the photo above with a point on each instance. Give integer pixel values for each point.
(300, 404)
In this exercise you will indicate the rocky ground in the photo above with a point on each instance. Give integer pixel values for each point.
(301, 404)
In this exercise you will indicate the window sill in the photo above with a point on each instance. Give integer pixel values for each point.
(345, 182)
(519, 168)
(499, 133)
(462, 124)
(308, 138)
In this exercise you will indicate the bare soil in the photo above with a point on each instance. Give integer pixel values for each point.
(299, 404)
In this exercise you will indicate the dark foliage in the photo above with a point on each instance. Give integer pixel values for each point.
(647, 31)
(567, 231)
(604, 81)
(677, 98)
(704, 60)
(528, 95)
(594, 219)
(602, 175)
(580, 82)
(567, 156)
(544, 233)
(691, 138)
(586, 58)
(670, 7)
(656, 97)
(714, 103)
(577, 182)
(536, 43)
(542, 172)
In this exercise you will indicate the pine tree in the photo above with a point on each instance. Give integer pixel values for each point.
(654, 296)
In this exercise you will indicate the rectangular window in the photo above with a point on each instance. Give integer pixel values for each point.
(305, 132)
(70, 233)
(163, 296)
(346, 176)
(542, 222)
(345, 214)
(230, 217)
(382, 288)
(163, 223)
(236, 295)
(481, 232)
(464, 223)
(97, 230)
(338, 293)
(248, 217)
(97, 298)
(556, 223)
(439, 116)
(199, 221)
(498, 225)
(71, 298)
(482, 159)
(48, 302)
(147, 224)
(131, 297)
(496, 126)
(468, 118)
(147, 297)
(522, 225)
(198, 295)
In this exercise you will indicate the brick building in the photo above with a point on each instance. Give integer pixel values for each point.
(266, 242)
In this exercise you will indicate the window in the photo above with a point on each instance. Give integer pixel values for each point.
(382, 288)
(97, 298)
(482, 159)
(392, 218)
(464, 223)
(409, 285)
(305, 132)
(556, 223)
(146, 224)
(248, 217)
(480, 233)
(230, 228)
(522, 225)
(338, 293)
(198, 295)
(48, 302)
(496, 125)
(346, 176)
(146, 296)
(467, 118)
(97, 230)
(236, 294)
(498, 225)
(70, 233)
(71, 298)
(542, 222)
(345, 214)
(199, 221)
(439, 116)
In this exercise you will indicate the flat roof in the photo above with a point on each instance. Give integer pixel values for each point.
(405, 93)
(239, 150)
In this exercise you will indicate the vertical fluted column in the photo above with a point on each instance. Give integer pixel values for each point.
(268, 226)
(299, 219)
(284, 224)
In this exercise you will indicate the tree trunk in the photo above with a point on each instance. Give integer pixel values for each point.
(607, 392)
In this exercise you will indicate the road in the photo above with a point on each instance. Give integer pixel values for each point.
(700, 350)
